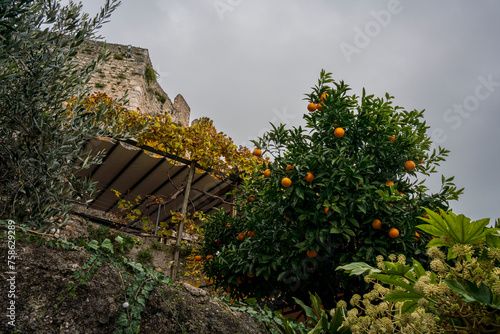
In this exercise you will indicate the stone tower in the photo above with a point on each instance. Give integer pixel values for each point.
(131, 69)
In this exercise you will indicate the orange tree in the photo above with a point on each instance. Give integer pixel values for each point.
(342, 189)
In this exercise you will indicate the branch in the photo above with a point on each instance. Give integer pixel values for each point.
(213, 196)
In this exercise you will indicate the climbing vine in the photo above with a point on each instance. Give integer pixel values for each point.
(200, 142)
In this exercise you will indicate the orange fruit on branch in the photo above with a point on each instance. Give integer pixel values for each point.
(393, 138)
(286, 182)
(409, 166)
(311, 253)
(393, 233)
(309, 177)
(198, 257)
(209, 257)
(321, 106)
(377, 224)
(339, 132)
(257, 152)
(267, 173)
(311, 106)
(323, 97)
(251, 198)
(389, 183)
(241, 236)
(287, 219)
(251, 233)
(250, 275)
(326, 209)
(289, 167)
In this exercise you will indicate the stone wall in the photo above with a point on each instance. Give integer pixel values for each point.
(122, 72)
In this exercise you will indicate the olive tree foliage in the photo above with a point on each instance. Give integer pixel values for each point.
(41, 139)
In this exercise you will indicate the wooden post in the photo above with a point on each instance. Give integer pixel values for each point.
(175, 266)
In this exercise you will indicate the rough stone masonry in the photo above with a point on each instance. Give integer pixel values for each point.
(126, 70)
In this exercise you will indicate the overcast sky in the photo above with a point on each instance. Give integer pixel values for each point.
(245, 63)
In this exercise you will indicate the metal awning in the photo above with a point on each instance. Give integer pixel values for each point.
(134, 171)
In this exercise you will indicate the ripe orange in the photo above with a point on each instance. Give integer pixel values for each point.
(250, 275)
(323, 97)
(267, 173)
(286, 182)
(426, 215)
(198, 257)
(321, 106)
(326, 209)
(209, 257)
(417, 235)
(251, 233)
(393, 233)
(311, 253)
(287, 219)
(241, 236)
(409, 166)
(309, 177)
(377, 224)
(339, 132)
(289, 167)
(393, 138)
(389, 183)
(311, 106)
(239, 280)
(251, 198)
(421, 161)
(257, 152)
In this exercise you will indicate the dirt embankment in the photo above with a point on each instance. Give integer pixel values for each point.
(43, 274)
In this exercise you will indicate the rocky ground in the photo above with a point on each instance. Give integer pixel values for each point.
(43, 274)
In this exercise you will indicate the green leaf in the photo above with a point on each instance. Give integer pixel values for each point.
(93, 244)
(470, 292)
(108, 245)
(119, 240)
(299, 192)
(401, 296)
(335, 230)
(309, 312)
(358, 268)
(493, 237)
(391, 279)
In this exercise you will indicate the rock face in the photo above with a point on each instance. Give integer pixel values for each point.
(133, 71)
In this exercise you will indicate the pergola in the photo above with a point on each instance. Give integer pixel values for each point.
(143, 171)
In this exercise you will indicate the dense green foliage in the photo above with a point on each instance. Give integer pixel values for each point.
(42, 141)
(304, 231)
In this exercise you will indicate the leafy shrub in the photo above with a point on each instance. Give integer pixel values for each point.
(459, 294)
(150, 74)
(124, 246)
(145, 255)
(157, 245)
(41, 142)
(100, 85)
(312, 208)
(118, 56)
(160, 97)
